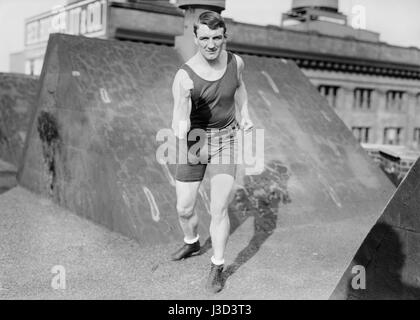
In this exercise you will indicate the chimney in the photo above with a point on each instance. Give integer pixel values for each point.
(193, 8)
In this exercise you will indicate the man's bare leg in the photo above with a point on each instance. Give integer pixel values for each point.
(221, 187)
(186, 193)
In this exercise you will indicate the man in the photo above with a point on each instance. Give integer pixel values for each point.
(206, 91)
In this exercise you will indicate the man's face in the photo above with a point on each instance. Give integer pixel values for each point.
(210, 42)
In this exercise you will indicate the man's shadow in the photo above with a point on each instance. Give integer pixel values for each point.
(382, 254)
(259, 197)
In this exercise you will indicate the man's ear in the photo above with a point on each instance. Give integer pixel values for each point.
(195, 40)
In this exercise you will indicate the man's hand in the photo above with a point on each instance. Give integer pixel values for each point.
(246, 124)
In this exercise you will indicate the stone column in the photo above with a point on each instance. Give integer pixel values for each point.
(380, 107)
(193, 8)
(410, 104)
(339, 99)
(356, 102)
(374, 106)
(347, 94)
(330, 97)
(322, 91)
(345, 105)
(387, 100)
(417, 103)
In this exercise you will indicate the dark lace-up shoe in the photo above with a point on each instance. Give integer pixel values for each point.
(186, 251)
(215, 280)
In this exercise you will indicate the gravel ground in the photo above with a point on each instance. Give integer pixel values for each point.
(36, 235)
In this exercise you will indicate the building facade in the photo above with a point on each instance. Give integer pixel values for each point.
(374, 87)
(376, 93)
(148, 21)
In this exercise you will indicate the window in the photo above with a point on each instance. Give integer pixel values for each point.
(29, 67)
(416, 136)
(394, 100)
(33, 66)
(330, 93)
(361, 134)
(38, 66)
(362, 98)
(392, 136)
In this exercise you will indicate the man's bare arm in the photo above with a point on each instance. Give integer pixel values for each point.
(241, 97)
(181, 91)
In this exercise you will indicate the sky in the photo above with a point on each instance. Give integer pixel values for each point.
(398, 22)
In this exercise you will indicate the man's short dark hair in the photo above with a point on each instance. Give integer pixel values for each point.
(211, 19)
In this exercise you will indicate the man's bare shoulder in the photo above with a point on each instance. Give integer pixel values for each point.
(239, 61)
(182, 80)
(181, 74)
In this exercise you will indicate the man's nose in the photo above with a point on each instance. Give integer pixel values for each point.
(211, 43)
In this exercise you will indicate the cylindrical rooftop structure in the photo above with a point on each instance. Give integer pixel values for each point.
(325, 4)
(152, 1)
(218, 5)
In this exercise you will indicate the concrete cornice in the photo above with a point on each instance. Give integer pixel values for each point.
(316, 61)
(276, 41)
(156, 7)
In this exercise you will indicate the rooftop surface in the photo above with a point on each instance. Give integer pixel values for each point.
(36, 235)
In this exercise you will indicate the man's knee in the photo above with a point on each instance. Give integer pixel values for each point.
(185, 212)
(219, 210)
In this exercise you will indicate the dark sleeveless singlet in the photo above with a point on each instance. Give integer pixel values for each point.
(213, 102)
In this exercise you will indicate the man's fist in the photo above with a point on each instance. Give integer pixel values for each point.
(246, 124)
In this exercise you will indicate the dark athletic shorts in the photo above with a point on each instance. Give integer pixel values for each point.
(215, 149)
